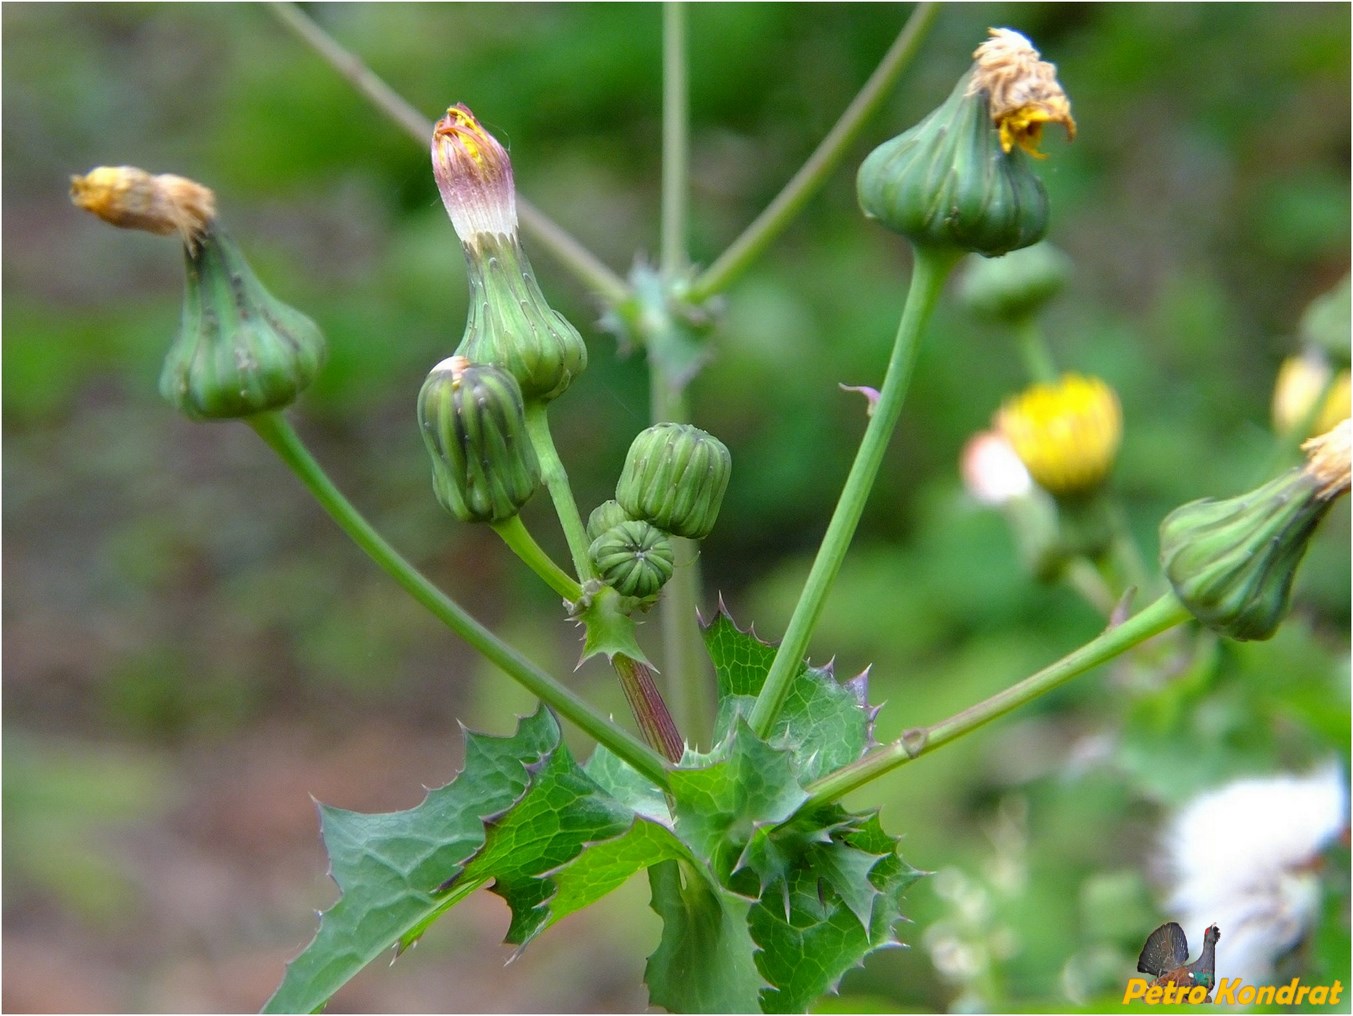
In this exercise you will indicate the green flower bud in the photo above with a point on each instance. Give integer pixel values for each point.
(510, 323)
(634, 558)
(1232, 562)
(603, 517)
(239, 350)
(675, 476)
(483, 466)
(956, 179)
(1015, 287)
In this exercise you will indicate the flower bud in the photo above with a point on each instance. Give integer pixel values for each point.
(634, 558)
(510, 323)
(1232, 562)
(483, 465)
(1066, 434)
(239, 350)
(955, 179)
(675, 476)
(603, 517)
(1015, 287)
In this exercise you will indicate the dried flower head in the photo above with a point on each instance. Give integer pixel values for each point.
(1244, 856)
(474, 175)
(134, 199)
(1023, 91)
(1327, 460)
(1066, 433)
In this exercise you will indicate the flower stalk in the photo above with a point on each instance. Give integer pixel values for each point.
(932, 267)
(274, 429)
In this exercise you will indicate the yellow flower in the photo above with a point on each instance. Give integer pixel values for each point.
(1300, 381)
(474, 175)
(1022, 90)
(1066, 433)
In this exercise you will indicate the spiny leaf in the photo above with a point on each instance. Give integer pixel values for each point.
(824, 723)
(704, 961)
(388, 865)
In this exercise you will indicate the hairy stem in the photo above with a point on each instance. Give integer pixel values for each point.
(1163, 614)
(813, 174)
(931, 269)
(571, 254)
(274, 429)
(519, 540)
(556, 482)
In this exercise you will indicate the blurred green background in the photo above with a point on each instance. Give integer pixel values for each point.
(192, 650)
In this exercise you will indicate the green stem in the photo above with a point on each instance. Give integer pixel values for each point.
(519, 540)
(572, 255)
(675, 140)
(274, 429)
(932, 267)
(556, 482)
(1163, 614)
(813, 174)
(686, 668)
(1033, 350)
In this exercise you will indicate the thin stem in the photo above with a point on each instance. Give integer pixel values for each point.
(556, 482)
(648, 707)
(813, 174)
(675, 139)
(1163, 614)
(1033, 349)
(931, 269)
(686, 669)
(274, 429)
(571, 254)
(519, 540)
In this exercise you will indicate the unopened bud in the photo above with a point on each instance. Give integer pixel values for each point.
(239, 350)
(675, 476)
(634, 558)
(603, 517)
(483, 465)
(1015, 287)
(1232, 562)
(510, 322)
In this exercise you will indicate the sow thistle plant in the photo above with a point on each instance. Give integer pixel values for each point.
(768, 887)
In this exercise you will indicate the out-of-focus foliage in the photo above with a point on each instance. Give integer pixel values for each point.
(176, 608)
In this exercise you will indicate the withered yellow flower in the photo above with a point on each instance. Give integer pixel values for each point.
(1327, 459)
(1023, 91)
(1066, 433)
(131, 198)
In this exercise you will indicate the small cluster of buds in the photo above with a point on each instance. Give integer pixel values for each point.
(672, 484)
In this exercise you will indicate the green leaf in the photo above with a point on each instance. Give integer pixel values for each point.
(561, 813)
(627, 785)
(387, 866)
(833, 910)
(705, 960)
(824, 723)
(720, 806)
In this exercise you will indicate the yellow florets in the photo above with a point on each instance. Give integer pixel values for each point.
(1066, 433)
(1022, 90)
(1300, 381)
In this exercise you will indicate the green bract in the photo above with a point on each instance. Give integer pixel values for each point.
(239, 349)
(483, 466)
(634, 558)
(512, 326)
(675, 476)
(947, 182)
(1231, 562)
